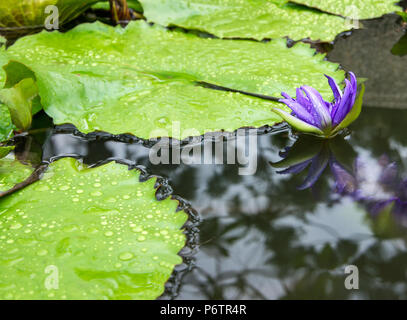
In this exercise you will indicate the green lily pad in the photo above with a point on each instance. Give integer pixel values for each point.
(31, 13)
(84, 233)
(5, 151)
(403, 15)
(105, 5)
(3, 61)
(355, 9)
(143, 80)
(102, 5)
(19, 100)
(6, 125)
(258, 19)
(12, 172)
(135, 5)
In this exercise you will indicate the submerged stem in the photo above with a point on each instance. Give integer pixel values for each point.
(121, 13)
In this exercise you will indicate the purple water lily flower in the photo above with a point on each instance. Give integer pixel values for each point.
(312, 114)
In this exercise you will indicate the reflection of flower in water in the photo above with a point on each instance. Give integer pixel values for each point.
(317, 154)
(345, 182)
(381, 186)
(377, 184)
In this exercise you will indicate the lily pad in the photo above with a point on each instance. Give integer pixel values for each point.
(6, 125)
(88, 234)
(355, 9)
(135, 5)
(31, 13)
(19, 100)
(6, 130)
(143, 80)
(5, 151)
(258, 19)
(12, 172)
(105, 5)
(3, 60)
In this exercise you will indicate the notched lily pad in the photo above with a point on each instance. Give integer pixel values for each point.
(143, 80)
(88, 234)
(355, 9)
(258, 19)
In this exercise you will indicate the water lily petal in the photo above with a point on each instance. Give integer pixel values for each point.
(352, 88)
(297, 123)
(353, 113)
(329, 106)
(303, 100)
(286, 95)
(343, 107)
(319, 106)
(335, 88)
(299, 110)
(354, 84)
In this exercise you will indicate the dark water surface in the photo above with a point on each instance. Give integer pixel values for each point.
(262, 237)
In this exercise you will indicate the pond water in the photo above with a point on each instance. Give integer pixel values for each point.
(260, 236)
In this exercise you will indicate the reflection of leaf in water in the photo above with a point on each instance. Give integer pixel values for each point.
(384, 223)
(103, 229)
(141, 79)
(400, 48)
